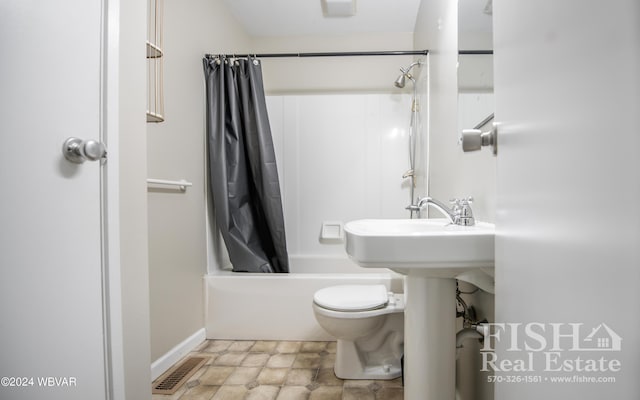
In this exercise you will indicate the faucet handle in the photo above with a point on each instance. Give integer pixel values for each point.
(462, 210)
(455, 206)
(465, 213)
(455, 202)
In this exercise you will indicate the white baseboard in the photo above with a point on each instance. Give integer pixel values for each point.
(162, 364)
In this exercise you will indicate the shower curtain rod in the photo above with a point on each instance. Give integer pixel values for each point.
(328, 54)
(345, 54)
(474, 52)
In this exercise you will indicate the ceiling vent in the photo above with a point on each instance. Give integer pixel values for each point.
(338, 8)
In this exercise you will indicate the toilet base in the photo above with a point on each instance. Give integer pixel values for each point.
(376, 373)
(370, 343)
(376, 356)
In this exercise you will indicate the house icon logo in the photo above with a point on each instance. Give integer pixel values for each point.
(602, 338)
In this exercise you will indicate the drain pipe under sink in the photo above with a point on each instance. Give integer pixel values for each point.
(477, 331)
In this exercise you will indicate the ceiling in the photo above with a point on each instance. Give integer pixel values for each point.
(304, 17)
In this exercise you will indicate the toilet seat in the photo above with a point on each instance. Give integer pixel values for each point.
(352, 297)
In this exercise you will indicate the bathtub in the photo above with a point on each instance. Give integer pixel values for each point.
(252, 306)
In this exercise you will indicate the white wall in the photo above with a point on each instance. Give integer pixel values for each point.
(134, 263)
(340, 157)
(475, 73)
(177, 247)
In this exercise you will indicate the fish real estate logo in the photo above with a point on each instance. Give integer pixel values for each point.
(551, 348)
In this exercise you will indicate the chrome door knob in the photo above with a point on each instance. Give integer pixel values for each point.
(471, 140)
(94, 150)
(474, 139)
(78, 151)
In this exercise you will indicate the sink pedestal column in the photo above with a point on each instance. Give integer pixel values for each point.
(430, 333)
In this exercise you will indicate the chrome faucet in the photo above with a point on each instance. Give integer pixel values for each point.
(459, 214)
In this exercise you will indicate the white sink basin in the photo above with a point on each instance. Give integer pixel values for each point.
(425, 247)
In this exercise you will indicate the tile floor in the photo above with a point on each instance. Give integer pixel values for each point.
(276, 370)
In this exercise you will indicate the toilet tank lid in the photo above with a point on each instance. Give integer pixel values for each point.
(352, 297)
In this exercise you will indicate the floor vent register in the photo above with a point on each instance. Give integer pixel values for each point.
(175, 377)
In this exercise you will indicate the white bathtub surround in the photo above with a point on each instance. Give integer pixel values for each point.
(341, 157)
(245, 306)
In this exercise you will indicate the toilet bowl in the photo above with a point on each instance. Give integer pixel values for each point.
(368, 323)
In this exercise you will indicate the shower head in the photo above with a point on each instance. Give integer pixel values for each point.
(400, 82)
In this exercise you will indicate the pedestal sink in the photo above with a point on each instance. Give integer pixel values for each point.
(432, 253)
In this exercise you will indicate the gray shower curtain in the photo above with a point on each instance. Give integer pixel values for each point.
(242, 166)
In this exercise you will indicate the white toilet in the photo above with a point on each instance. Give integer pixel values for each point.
(368, 322)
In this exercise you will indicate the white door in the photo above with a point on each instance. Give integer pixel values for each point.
(51, 291)
(567, 92)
